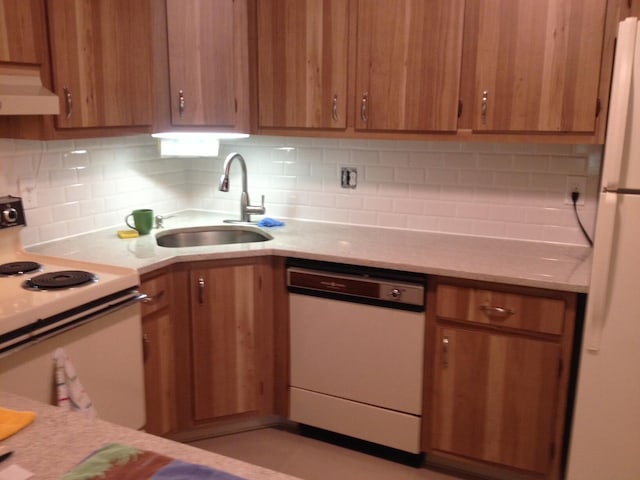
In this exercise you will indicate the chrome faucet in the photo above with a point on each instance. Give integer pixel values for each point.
(246, 209)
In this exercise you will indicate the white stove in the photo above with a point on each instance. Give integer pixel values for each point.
(21, 307)
(96, 322)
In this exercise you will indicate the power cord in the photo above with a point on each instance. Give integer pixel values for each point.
(574, 198)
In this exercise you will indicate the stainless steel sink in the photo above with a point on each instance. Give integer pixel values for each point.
(211, 235)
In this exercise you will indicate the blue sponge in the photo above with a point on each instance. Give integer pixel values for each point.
(270, 222)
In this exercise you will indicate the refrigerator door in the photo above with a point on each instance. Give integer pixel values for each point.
(622, 143)
(605, 441)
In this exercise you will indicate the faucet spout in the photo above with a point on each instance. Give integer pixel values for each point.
(246, 209)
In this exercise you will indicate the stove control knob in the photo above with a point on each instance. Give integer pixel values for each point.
(10, 215)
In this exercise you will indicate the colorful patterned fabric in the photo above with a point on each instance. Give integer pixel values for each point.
(70, 392)
(123, 462)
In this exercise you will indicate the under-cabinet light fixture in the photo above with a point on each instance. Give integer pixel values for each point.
(193, 144)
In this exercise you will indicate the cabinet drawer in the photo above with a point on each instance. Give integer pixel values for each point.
(525, 312)
(157, 289)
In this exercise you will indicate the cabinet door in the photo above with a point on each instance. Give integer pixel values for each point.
(495, 398)
(408, 64)
(224, 304)
(159, 356)
(302, 63)
(159, 373)
(101, 58)
(21, 31)
(204, 54)
(537, 64)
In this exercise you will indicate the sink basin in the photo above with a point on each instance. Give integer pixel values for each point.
(211, 235)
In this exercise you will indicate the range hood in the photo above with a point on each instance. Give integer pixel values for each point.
(22, 92)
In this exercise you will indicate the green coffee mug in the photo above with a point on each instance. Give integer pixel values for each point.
(142, 220)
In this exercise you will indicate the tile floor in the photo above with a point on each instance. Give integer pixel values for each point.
(286, 451)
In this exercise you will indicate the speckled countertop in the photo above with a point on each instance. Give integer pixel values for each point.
(534, 264)
(57, 440)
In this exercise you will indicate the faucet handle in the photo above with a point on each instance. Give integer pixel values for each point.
(256, 209)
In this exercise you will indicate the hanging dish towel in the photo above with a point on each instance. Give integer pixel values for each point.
(70, 392)
(12, 421)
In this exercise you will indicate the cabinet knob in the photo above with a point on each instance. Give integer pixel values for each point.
(445, 351)
(69, 102)
(146, 342)
(181, 103)
(201, 286)
(483, 107)
(364, 107)
(153, 298)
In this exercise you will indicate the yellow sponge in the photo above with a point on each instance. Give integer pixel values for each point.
(128, 234)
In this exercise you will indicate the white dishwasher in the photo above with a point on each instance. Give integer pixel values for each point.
(357, 351)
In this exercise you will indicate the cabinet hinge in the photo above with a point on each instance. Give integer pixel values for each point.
(459, 108)
(598, 107)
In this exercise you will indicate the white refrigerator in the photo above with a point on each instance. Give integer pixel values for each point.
(605, 435)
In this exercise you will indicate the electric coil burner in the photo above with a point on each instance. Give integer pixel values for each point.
(60, 280)
(19, 268)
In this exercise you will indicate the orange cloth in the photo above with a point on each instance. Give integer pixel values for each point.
(12, 421)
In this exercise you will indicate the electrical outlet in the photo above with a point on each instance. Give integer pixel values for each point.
(349, 177)
(575, 183)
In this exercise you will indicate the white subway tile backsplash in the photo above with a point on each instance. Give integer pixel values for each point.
(501, 190)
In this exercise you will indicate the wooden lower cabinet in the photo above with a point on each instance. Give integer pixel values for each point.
(498, 378)
(209, 336)
(159, 356)
(224, 341)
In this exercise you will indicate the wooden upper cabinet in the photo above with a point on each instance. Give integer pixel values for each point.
(22, 31)
(208, 63)
(101, 62)
(408, 64)
(536, 64)
(302, 63)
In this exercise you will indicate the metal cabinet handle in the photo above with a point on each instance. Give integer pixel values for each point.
(69, 102)
(445, 352)
(181, 103)
(500, 313)
(334, 108)
(483, 108)
(201, 286)
(364, 107)
(154, 298)
(146, 344)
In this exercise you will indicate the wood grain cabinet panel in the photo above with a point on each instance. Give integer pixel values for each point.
(101, 61)
(502, 309)
(208, 63)
(498, 377)
(496, 398)
(159, 354)
(536, 64)
(302, 60)
(22, 31)
(408, 60)
(231, 338)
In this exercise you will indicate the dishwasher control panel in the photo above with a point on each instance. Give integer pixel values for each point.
(359, 285)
